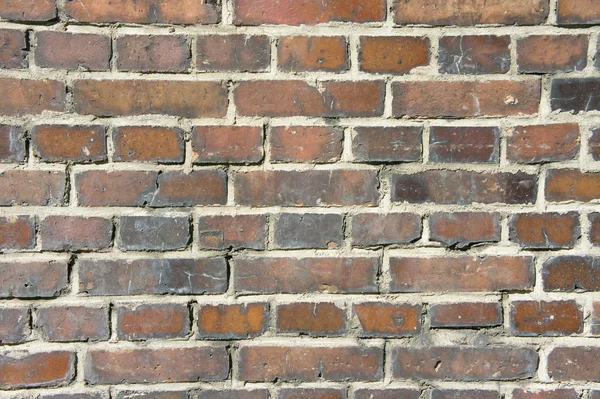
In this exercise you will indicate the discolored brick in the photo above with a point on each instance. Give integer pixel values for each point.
(36, 370)
(594, 144)
(157, 53)
(465, 315)
(481, 54)
(64, 50)
(387, 144)
(464, 144)
(152, 395)
(30, 97)
(17, 233)
(545, 231)
(12, 144)
(577, 12)
(232, 321)
(393, 54)
(571, 273)
(148, 144)
(75, 233)
(387, 320)
(239, 231)
(32, 187)
(312, 53)
(12, 49)
(577, 363)
(227, 144)
(149, 321)
(385, 229)
(153, 233)
(312, 393)
(465, 394)
(234, 394)
(115, 188)
(387, 393)
(552, 53)
(314, 144)
(200, 187)
(32, 279)
(559, 318)
(28, 10)
(575, 95)
(315, 319)
(14, 325)
(524, 393)
(62, 143)
(543, 143)
(73, 323)
(306, 230)
(243, 53)
(572, 185)
(594, 219)
(449, 228)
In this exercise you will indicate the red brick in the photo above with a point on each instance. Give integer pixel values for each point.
(531, 318)
(17, 232)
(244, 393)
(144, 11)
(571, 273)
(32, 187)
(594, 219)
(464, 144)
(154, 233)
(239, 231)
(291, 275)
(232, 53)
(158, 53)
(465, 315)
(12, 144)
(310, 12)
(32, 279)
(143, 365)
(298, 98)
(75, 233)
(387, 320)
(463, 229)
(543, 143)
(200, 187)
(387, 393)
(14, 325)
(232, 321)
(314, 144)
(552, 53)
(464, 394)
(460, 99)
(312, 53)
(31, 96)
(308, 363)
(61, 143)
(393, 54)
(312, 393)
(157, 276)
(481, 54)
(578, 363)
(63, 50)
(387, 144)
(307, 188)
(12, 49)
(149, 321)
(190, 99)
(464, 363)
(545, 230)
(572, 185)
(370, 229)
(28, 10)
(73, 323)
(227, 144)
(115, 188)
(36, 370)
(314, 319)
(308, 230)
(148, 144)
(578, 12)
(524, 393)
(477, 12)
(462, 274)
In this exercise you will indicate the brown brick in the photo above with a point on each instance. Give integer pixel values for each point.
(308, 363)
(61, 143)
(572, 185)
(63, 50)
(308, 230)
(239, 231)
(315, 319)
(153, 276)
(464, 144)
(531, 318)
(14, 325)
(312, 393)
(465, 315)
(227, 144)
(387, 393)
(12, 144)
(76, 395)
(17, 232)
(463, 229)
(387, 320)
(552, 53)
(524, 393)
(594, 219)
(75, 233)
(298, 98)
(115, 188)
(307, 188)
(232, 321)
(574, 95)
(464, 187)
(36, 370)
(200, 187)
(312, 53)
(464, 394)
(594, 143)
(393, 54)
(190, 99)
(32, 187)
(387, 144)
(595, 319)
(457, 363)
(234, 394)
(158, 53)
(578, 12)
(154, 233)
(149, 321)
(578, 363)
(31, 96)
(32, 279)
(233, 53)
(481, 54)
(460, 99)
(73, 323)
(462, 274)
(291, 275)
(314, 144)
(188, 12)
(571, 273)
(477, 12)
(28, 10)
(12, 49)
(148, 144)
(143, 365)
(310, 12)
(542, 143)
(370, 229)
(545, 230)
(151, 395)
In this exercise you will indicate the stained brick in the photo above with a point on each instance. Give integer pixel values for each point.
(12, 49)
(552, 53)
(531, 318)
(232, 321)
(545, 231)
(313, 144)
(305, 230)
(73, 323)
(14, 325)
(233, 53)
(571, 273)
(387, 320)
(153, 53)
(239, 231)
(465, 315)
(148, 144)
(464, 144)
(474, 54)
(152, 321)
(385, 229)
(36, 370)
(62, 143)
(154, 233)
(32, 279)
(76, 233)
(63, 50)
(543, 143)
(312, 53)
(12, 144)
(315, 319)
(227, 144)
(17, 233)
(387, 144)
(393, 54)
(460, 230)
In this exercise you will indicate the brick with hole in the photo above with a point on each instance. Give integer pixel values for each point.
(153, 276)
(36, 369)
(572, 185)
(369, 229)
(148, 321)
(574, 95)
(234, 394)
(14, 325)
(532, 393)
(13, 49)
(393, 54)
(578, 12)
(41, 279)
(233, 53)
(156, 144)
(542, 143)
(17, 233)
(62, 143)
(238, 231)
(465, 315)
(227, 144)
(30, 97)
(154, 233)
(75, 233)
(387, 144)
(312, 393)
(476, 55)
(545, 230)
(552, 53)
(153, 53)
(558, 318)
(312, 53)
(314, 144)
(464, 229)
(576, 363)
(32, 187)
(464, 144)
(28, 10)
(232, 321)
(571, 273)
(465, 394)
(75, 51)
(594, 220)
(73, 323)
(386, 393)
(12, 144)
(309, 230)
(387, 320)
(115, 188)
(311, 318)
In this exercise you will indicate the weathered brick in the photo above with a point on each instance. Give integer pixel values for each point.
(552, 53)
(464, 394)
(576, 363)
(239, 231)
(17, 232)
(153, 276)
(571, 273)
(572, 185)
(200, 187)
(291, 275)
(595, 322)
(12, 49)
(309, 230)
(308, 363)
(578, 12)
(594, 219)
(542, 143)
(464, 144)
(460, 99)
(64, 50)
(481, 54)
(31, 96)
(75, 233)
(312, 53)
(12, 144)
(457, 363)
(575, 95)
(594, 144)
(115, 188)
(387, 320)
(234, 394)
(148, 144)
(298, 98)
(531, 318)
(36, 370)
(387, 144)
(463, 229)
(227, 144)
(385, 229)
(32, 187)
(387, 393)
(32, 279)
(14, 325)
(159, 53)
(312, 393)
(315, 319)
(314, 144)
(233, 53)
(149, 321)
(524, 393)
(465, 315)
(75, 395)
(393, 54)
(62, 143)
(462, 274)
(73, 323)
(232, 321)
(545, 230)
(152, 395)
(143, 365)
(28, 10)
(154, 233)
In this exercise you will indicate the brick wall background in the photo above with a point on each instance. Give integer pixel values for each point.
(325, 199)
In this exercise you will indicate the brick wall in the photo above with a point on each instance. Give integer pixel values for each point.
(324, 199)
